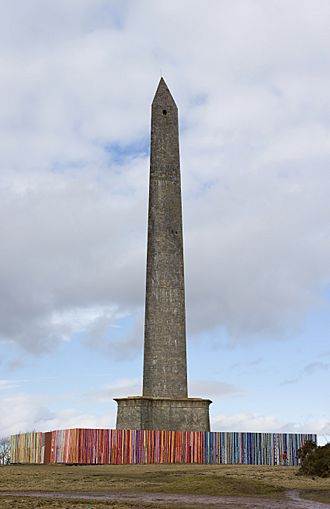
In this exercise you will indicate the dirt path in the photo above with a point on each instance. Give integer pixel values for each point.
(294, 501)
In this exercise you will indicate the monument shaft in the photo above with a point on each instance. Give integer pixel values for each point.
(164, 404)
(165, 367)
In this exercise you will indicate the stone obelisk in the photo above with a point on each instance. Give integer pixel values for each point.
(165, 403)
(165, 367)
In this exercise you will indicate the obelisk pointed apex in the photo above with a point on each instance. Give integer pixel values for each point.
(163, 94)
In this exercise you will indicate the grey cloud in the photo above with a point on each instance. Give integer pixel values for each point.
(119, 346)
(64, 250)
(314, 367)
(213, 388)
(310, 369)
(255, 159)
(258, 252)
(14, 364)
(253, 363)
(121, 388)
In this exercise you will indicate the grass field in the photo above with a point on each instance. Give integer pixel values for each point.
(226, 480)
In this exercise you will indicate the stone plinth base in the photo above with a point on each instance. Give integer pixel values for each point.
(179, 414)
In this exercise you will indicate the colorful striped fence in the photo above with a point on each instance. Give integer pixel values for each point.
(118, 447)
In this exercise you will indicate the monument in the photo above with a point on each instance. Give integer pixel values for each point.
(164, 404)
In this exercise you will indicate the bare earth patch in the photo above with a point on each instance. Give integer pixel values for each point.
(153, 500)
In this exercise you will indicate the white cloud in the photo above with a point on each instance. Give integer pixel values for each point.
(9, 384)
(75, 418)
(252, 88)
(22, 412)
(245, 422)
(269, 423)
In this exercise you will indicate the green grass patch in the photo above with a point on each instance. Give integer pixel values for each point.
(317, 495)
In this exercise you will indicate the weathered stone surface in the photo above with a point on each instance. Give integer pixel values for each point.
(165, 370)
(181, 414)
(165, 404)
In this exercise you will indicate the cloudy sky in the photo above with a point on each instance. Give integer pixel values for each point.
(251, 80)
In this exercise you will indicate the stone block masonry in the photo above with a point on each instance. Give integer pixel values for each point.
(165, 366)
(165, 404)
(181, 414)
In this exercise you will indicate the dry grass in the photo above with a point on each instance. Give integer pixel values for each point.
(227, 480)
